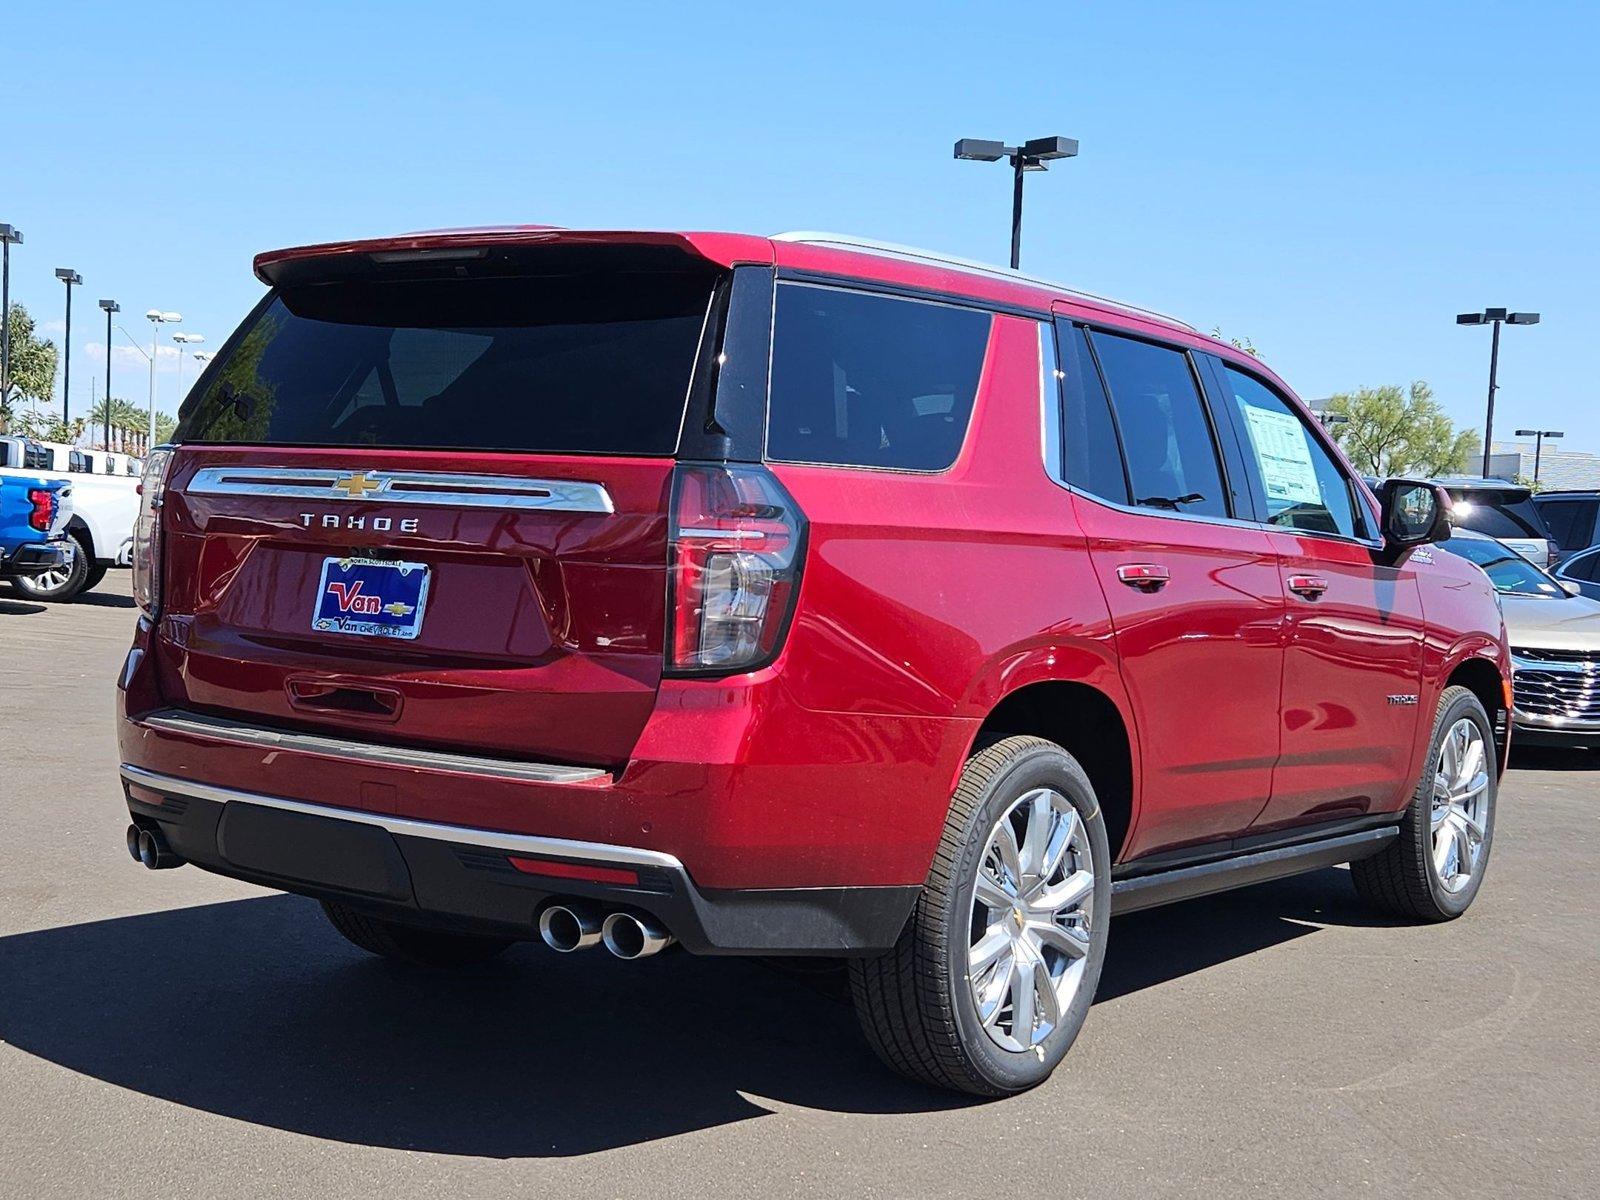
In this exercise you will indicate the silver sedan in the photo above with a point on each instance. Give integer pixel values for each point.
(1555, 644)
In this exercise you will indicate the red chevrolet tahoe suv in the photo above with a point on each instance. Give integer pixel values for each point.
(786, 596)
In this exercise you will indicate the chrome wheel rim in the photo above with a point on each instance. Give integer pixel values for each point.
(56, 578)
(1032, 911)
(1460, 814)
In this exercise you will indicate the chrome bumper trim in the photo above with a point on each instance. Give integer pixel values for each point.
(404, 487)
(514, 843)
(200, 725)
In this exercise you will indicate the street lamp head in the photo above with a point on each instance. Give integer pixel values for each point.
(1494, 314)
(1469, 318)
(111, 306)
(204, 355)
(1520, 318)
(979, 150)
(10, 235)
(68, 276)
(1051, 147)
(184, 339)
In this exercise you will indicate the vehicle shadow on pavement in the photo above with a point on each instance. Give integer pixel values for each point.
(1553, 758)
(256, 1010)
(19, 608)
(104, 600)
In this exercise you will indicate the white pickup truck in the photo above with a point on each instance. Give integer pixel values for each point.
(104, 506)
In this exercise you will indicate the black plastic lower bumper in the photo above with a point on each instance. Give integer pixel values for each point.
(34, 558)
(472, 888)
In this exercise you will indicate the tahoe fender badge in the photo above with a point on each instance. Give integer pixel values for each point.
(1404, 698)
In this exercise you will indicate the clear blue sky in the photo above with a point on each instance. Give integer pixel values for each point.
(1335, 180)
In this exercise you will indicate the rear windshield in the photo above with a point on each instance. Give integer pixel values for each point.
(590, 363)
(1515, 519)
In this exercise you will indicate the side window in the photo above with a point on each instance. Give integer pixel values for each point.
(1301, 483)
(1570, 522)
(1091, 458)
(871, 381)
(1166, 437)
(1582, 567)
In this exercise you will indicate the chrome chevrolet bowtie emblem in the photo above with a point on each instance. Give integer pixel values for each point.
(357, 484)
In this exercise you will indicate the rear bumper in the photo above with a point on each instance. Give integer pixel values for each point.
(489, 881)
(34, 558)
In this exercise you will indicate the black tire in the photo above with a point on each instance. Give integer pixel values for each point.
(92, 580)
(73, 582)
(411, 943)
(1401, 880)
(914, 1002)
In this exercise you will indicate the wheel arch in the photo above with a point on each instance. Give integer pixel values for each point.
(1083, 717)
(79, 528)
(1482, 676)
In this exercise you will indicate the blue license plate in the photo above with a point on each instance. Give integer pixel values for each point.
(371, 597)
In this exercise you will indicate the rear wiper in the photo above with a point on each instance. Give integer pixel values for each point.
(1170, 502)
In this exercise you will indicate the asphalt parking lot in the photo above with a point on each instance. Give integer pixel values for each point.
(176, 1034)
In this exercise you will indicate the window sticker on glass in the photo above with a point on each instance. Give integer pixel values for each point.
(1287, 471)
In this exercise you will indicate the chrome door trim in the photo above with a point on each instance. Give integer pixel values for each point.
(438, 488)
(513, 843)
(406, 757)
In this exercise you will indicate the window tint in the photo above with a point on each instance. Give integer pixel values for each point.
(1297, 479)
(1480, 512)
(1570, 522)
(595, 361)
(871, 381)
(1582, 567)
(1172, 457)
(1090, 456)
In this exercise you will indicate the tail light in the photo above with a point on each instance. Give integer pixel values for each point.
(41, 509)
(147, 532)
(735, 556)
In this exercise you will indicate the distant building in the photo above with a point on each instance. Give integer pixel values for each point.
(1559, 469)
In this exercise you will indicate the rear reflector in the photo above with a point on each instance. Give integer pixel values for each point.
(571, 870)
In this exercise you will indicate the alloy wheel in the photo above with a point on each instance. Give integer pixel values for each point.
(1460, 813)
(1032, 910)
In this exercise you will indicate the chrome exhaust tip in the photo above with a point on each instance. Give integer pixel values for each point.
(629, 936)
(150, 847)
(566, 927)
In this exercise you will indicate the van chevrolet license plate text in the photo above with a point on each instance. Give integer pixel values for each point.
(372, 597)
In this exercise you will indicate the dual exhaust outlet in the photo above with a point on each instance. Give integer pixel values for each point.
(149, 846)
(576, 926)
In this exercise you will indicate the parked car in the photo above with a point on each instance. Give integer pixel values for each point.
(100, 532)
(786, 596)
(1582, 570)
(1504, 511)
(1554, 632)
(34, 511)
(1570, 518)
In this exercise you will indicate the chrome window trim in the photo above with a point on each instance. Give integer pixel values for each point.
(1050, 387)
(513, 843)
(433, 488)
(200, 725)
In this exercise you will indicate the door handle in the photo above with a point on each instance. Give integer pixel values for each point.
(1147, 577)
(1309, 586)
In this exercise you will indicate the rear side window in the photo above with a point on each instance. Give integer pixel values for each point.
(1298, 480)
(1166, 436)
(1570, 522)
(865, 380)
(1516, 519)
(1091, 458)
(594, 362)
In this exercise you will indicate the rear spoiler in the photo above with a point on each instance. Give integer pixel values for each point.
(454, 251)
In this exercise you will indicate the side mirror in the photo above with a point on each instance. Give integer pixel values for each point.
(1415, 512)
(1570, 586)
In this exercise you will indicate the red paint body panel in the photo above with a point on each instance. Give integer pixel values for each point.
(924, 601)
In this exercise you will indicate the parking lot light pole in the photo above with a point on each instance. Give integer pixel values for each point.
(1495, 317)
(110, 306)
(1030, 156)
(182, 340)
(69, 277)
(1538, 436)
(9, 235)
(157, 319)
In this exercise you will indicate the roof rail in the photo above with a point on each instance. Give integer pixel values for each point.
(914, 254)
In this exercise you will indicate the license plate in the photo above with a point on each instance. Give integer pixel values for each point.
(370, 596)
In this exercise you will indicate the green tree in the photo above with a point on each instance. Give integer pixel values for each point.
(1390, 431)
(33, 367)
